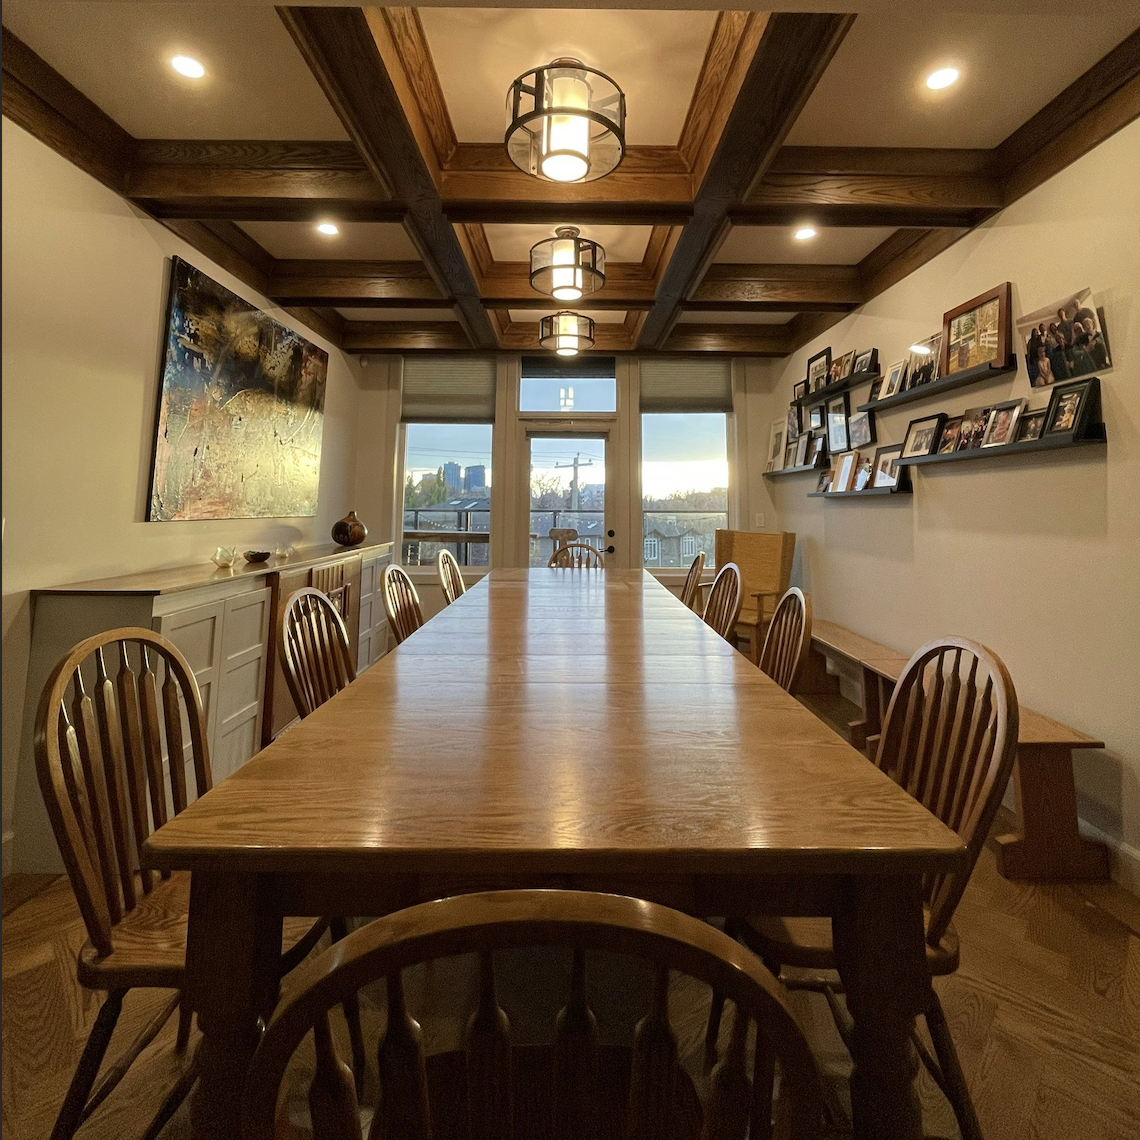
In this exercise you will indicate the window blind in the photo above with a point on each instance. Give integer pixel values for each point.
(449, 389)
(685, 385)
(551, 367)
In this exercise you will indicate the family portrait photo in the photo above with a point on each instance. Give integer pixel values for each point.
(1064, 341)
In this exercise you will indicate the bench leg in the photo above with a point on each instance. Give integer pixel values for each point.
(871, 722)
(1049, 846)
(815, 678)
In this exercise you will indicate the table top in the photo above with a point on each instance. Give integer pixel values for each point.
(560, 721)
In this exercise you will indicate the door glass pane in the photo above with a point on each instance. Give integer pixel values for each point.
(684, 485)
(567, 395)
(567, 492)
(447, 489)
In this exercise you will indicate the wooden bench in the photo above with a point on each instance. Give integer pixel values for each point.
(1047, 845)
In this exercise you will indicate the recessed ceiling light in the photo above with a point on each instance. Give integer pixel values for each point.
(188, 66)
(327, 228)
(943, 77)
(804, 233)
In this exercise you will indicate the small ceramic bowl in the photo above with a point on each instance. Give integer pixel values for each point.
(256, 555)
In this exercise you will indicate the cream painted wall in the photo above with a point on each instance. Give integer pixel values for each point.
(1039, 558)
(85, 282)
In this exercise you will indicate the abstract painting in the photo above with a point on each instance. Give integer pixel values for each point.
(240, 411)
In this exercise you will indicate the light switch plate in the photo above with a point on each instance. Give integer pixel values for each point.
(759, 517)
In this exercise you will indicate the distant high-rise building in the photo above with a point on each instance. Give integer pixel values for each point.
(451, 476)
(475, 478)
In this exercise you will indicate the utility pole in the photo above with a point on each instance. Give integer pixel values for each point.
(574, 496)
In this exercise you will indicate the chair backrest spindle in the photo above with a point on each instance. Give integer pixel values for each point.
(314, 648)
(723, 605)
(691, 591)
(577, 556)
(450, 577)
(788, 640)
(401, 603)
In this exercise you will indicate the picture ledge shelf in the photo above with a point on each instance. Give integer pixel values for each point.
(1095, 434)
(793, 470)
(975, 375)
(836, 389)
(879, 491)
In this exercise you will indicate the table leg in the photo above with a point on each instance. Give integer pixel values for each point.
(1049, 846)
(879, 949)
(233, 951)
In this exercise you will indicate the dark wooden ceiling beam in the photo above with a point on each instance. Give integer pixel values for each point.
(774, 288)
(793, 51)
(404, 336)
(728, 339)
(340, 49)
(363, 284)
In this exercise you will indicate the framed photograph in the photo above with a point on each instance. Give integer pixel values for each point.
(817, 369)
(973, 428)
(866, 361)
(824, 483)
(776, 444)
(876, 390)
(817, 449)
(861, 429)
(923, 363)
(1001, 428)
(1031, 425)
(802, 449)
(799, 390)
(922, 435)
(948, 438)
(845, 472)
(1068, 407)
(896, 377)
(815, 417)
(977, 332)
(837, 438)
(842, 368)
(793, 425)
(789, 455)
(1064, 340)
(863, 473)
(887, 466)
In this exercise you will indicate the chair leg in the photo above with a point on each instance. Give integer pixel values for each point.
(185, 1019)
(957, 1091)
(173, 1100)
(338, 929)
(71, 1112)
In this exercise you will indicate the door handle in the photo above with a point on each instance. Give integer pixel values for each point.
(609, 550)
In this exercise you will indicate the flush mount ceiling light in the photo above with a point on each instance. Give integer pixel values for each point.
(941, 78)
(804, 233)
(566, 333)
(328, 229)
(188, 66)
(565, 122)
(567, 266)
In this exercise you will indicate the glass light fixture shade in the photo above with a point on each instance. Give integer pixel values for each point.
(565, 122)
(567, 266)
(567, 333)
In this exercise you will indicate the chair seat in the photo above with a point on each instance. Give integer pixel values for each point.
(806, 944)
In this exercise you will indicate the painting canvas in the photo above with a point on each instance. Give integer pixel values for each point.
(240, 411)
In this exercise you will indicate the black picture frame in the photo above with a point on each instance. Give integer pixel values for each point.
(1061, 403)
(799, 390)
(922, 435)
(821, 374)
(815, 417)
(1031, 425)
(838, 442)
(867, 361)
(817, 449)
(890, 475)
(862, 435)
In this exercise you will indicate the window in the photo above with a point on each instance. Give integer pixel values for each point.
(447, 489)
(684, 484)
(568, 387)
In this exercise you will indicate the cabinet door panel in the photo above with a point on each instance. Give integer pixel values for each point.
(197, 631)
(245, 631)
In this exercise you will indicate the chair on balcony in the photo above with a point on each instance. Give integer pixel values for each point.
(577, 556)
(574, 1085)
(765, 562)
(401, 603)
(788, 640)
(112, 711)
(313, 645)
(691, 591)
(723, 607)
(560, 535)
(450, 577)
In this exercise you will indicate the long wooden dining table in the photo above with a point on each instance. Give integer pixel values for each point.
(570, 728)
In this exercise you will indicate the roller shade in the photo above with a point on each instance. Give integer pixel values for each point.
(552, 367)
(448, 389)
(686, 385)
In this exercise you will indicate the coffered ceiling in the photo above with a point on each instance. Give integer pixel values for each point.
(742, 128)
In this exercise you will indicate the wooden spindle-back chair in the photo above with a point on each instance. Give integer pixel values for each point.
(497, 1090)
(401, 603)
(788, 640)
(723, 605)
(691, 591)
(949, 738)
(577, 556)
(313, 644)
(450, 577)
(119, 722)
